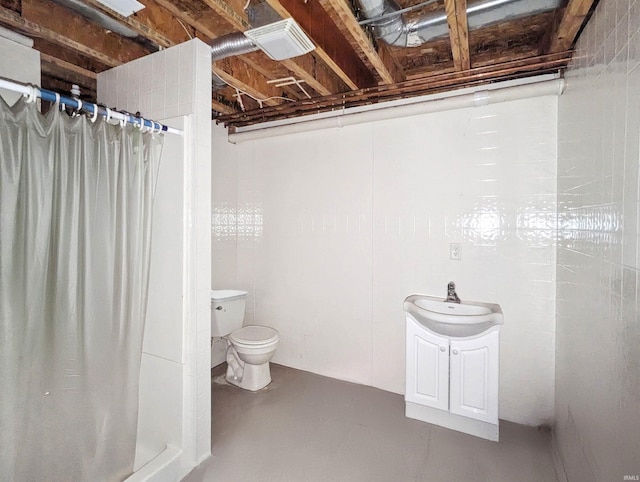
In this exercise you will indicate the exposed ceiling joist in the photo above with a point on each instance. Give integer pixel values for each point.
(34, 29)
(316, 74)
(240, 75)
(394, 68)
(270, 70)
(384, 66)
(152, 22)
(67, 55)
(68, 67)
(198, 22)
(458, 33)
(75, 32)
(232, 11)
(564, 34)
(331, 46)
(347, 68)
(222, 108)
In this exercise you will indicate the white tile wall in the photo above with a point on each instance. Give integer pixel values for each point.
(170, 83)
(598, 323)
(329, 231)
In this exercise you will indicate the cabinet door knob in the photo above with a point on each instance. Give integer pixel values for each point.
(442, 348)
(455, 352)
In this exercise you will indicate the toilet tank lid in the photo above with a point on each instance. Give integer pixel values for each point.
(227, 295)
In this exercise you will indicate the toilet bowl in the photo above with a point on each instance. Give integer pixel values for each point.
(254, 345)
(250, 348)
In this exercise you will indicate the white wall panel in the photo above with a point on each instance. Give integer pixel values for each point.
(348, 222)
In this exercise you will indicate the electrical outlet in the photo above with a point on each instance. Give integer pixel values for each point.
(455, 251)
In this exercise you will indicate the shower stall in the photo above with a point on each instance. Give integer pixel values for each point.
(173, 420)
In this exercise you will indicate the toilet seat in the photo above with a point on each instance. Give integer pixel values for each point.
(254, 335)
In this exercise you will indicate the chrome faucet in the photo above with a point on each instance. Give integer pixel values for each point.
(452, 296)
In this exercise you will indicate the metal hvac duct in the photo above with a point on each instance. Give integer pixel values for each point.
(395, 29)
(235, 43)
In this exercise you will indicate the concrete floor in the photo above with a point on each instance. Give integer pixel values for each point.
(305, 427)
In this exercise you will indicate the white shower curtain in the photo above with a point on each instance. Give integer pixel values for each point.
(75, 237)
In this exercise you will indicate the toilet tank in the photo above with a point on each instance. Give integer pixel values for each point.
(227, 311)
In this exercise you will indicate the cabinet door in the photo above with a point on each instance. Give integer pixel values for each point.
(427, 367)
(474, 378)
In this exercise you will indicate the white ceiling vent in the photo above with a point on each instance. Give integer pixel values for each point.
(281, 40)
(123, 7)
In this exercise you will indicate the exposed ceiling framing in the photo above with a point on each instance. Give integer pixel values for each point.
(349, 66)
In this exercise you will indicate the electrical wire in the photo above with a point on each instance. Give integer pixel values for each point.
(185, 28)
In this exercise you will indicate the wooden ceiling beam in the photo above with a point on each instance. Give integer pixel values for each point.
(479, 60)
(329, 40)
(15, 5)
(70, 56)
(458, 33)
(240, 75)
(269, 69)
(396, 70)
(316, 74)
(66, 73)
(384, 65)
(563, 34)
(68, 66)
(232, 11)
(32, 29)
(199, 24)
(153, 22)
(47, 20)
(222, 108)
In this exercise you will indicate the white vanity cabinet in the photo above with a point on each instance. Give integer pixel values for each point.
(453, 382)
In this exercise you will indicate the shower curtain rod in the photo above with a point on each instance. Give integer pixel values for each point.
(31, 92)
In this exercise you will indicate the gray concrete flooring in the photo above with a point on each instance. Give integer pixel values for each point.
(305, 427)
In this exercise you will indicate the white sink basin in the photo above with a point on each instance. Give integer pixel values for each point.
(458, 320)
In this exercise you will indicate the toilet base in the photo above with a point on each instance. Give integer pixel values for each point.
(254, 377)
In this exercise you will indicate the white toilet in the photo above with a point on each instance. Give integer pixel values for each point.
(249, 348)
